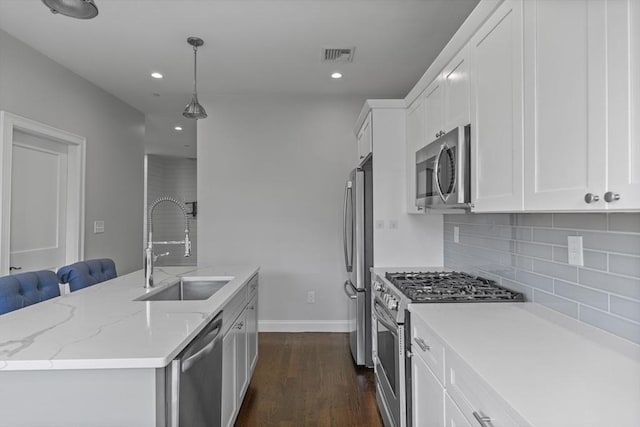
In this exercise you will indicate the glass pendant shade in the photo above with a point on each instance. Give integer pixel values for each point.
(81, 9)
(194, 110)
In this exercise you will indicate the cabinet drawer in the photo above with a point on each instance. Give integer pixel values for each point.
(426, 344)
(253, 286)
(233, 308)
(475, 398)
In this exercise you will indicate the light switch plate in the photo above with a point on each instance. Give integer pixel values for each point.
(576, 254)
(98, 227)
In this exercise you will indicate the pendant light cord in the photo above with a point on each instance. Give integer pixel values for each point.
(195, 78)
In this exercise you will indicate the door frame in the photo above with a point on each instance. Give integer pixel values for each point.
(75, 179)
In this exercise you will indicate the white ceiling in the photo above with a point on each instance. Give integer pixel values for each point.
(251, 46)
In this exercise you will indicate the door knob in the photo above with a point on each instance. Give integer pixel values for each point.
(590, 198)
(610, 196)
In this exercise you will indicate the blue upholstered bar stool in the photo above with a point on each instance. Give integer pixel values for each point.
(20, 290)
(86, 273)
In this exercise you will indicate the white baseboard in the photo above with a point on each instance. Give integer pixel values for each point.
(303, 326)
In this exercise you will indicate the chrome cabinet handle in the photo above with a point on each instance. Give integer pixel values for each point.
(610, 196)
(239, 325)
(423, 345)
(590, 198)
(484, 421)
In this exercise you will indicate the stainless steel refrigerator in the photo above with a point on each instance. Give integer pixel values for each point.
(358, 256)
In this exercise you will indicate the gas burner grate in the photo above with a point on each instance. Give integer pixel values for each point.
(450, 286)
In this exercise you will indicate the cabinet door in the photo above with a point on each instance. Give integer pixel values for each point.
(415, 140)
(229, 378)
(456, 92)
(427, 400)
(623, 61)
(252, 333)
(434, 110)
(565, 110)
(242, 366)
(365, 140)
(496, 111)
(453, 417)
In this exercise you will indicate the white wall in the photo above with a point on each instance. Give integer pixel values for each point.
(271, 173)
(34, 86)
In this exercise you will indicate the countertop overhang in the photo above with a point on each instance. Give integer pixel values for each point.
(104, 327)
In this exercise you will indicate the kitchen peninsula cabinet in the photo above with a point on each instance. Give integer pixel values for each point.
(240, 349)
(581, 100)
(496, 76)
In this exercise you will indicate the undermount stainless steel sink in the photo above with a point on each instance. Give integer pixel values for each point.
(187, 290)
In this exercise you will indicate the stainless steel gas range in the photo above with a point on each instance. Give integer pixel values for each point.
(392, 293)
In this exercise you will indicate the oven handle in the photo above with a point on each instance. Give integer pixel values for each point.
(384, 318)
(436, 171)
(348, 285)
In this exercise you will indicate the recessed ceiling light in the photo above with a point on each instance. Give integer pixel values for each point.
(156, 94)
(156, 75)
(178, 128)
(336, 75)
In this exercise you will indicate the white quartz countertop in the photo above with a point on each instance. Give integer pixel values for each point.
(551, 369)
(103, 327)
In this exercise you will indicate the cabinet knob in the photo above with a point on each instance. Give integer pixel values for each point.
(362, 157)
(610, 196)
(590, 198)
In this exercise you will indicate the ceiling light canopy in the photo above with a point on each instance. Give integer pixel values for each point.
(81, 9)
(194, 110)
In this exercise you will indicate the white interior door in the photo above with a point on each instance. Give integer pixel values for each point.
(39, 182)
(41, 195)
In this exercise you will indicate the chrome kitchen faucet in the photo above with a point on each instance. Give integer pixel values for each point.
(149, 256)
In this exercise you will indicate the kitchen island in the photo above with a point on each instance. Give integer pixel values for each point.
(97, 356)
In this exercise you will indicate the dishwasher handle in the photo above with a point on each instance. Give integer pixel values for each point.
(203, 344)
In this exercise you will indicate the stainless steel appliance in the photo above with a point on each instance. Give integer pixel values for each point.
(358, 256)
(392, 294)
(443, 171)
(194, 381)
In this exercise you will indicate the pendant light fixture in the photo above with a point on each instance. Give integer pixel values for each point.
(194, 110)
(81, 9)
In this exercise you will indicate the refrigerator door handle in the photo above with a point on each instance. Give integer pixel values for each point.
(348, 258)
(350, 290)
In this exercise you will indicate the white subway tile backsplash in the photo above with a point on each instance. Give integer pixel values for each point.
(528, 253)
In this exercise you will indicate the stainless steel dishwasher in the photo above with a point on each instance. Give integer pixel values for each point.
(194, 380)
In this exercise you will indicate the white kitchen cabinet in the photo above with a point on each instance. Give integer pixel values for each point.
(457, 103)
(252, 333)
(365, 140)
(453, 416)
(434, 110)
(496, 84)
(581, 105)
(427, 395)
(239, 351)
(416, 139)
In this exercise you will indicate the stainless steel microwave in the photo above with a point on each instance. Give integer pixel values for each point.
(443, 171)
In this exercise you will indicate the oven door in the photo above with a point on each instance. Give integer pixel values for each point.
(389, 365)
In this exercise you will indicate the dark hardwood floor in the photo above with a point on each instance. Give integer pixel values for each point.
(309, 379)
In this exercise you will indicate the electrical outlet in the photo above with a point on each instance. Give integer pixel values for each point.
(379, 224)
(393, 224)
(311, 297)
(456, 234)
(576, 254)
(98, 227)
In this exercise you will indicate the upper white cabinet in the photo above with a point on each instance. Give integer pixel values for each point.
(434, 110)
(455, 78)
(416, 139)
(582, 146)
(365, 140)
(496, 77)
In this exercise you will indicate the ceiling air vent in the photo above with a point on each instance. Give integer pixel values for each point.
(344, 54)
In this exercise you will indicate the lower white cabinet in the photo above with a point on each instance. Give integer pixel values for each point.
(239, 355)
(453, 415)
(427, 394)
